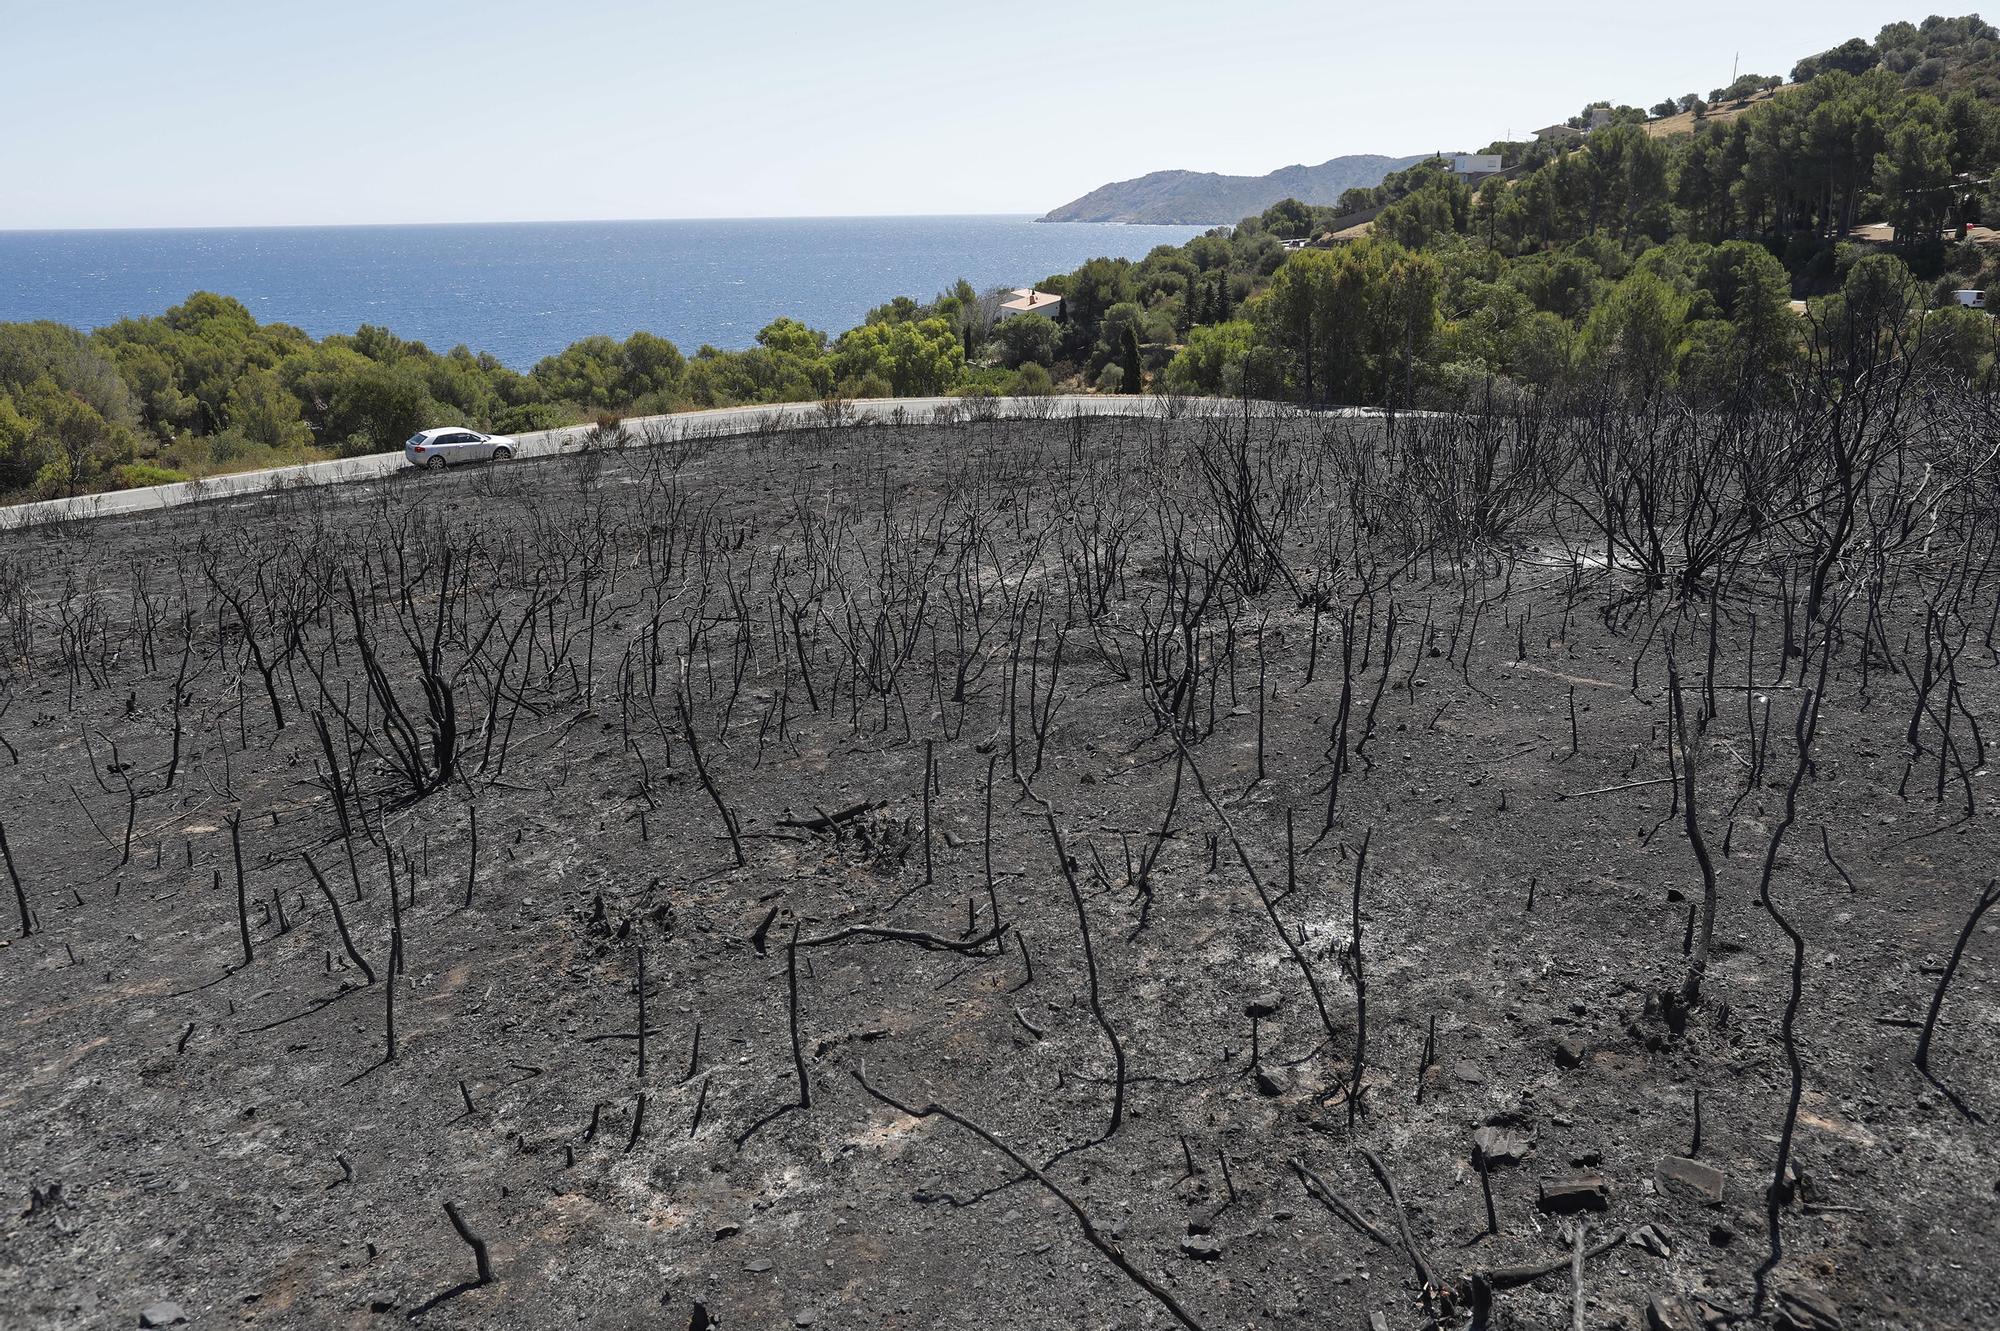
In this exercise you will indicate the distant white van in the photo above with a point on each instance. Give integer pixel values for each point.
(1972, 300)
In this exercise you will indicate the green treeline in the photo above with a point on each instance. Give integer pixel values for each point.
(1611, 258)
(1649, 262)
(205, 388)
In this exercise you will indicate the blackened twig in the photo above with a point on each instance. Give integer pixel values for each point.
(339, 921)
(20, 896)
(1802, 733)
(1250, 869)
(928, 768)
(641, 950)
(1360, 987)
(1317, 1188)
(1509, 1277)
(929, 942)
(473, 1241)
(1431, 1288)
(1988, 898)
(472, 855)
(1090, 1231)
(389, 989)
(1090, 966)
(242, 902)
(792, 984)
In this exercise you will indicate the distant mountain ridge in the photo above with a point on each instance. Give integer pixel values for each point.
(1204, 198)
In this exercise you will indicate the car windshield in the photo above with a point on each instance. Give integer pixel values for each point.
(415, 439)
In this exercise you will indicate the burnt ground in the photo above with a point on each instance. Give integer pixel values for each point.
(181, 1126)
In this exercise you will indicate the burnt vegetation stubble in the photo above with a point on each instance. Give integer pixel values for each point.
(1101, 869)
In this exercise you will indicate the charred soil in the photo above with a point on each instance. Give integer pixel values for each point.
(1026, 874)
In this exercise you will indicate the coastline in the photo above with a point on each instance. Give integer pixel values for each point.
(523, 290)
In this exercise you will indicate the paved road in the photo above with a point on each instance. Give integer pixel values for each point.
(645, 430)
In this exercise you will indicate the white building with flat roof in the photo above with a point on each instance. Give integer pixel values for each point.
(1026, 300)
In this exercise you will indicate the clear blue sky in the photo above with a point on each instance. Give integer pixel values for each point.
(244, 112)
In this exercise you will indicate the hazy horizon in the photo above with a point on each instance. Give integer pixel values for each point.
(213, 115)
(565, 221)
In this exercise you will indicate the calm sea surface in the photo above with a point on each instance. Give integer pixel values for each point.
(524, 290)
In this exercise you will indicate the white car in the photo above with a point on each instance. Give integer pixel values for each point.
(446, 444)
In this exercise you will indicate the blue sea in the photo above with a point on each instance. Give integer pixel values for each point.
(524, 290)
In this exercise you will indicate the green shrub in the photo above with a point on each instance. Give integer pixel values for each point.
(132, 474)
(1032, 380)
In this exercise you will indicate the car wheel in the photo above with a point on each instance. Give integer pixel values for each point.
(435, 464)
(502, 453)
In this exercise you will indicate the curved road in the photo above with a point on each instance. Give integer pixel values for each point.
(646, 431)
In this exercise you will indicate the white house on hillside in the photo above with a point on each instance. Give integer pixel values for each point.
(1026, 300)
(1595, 118)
